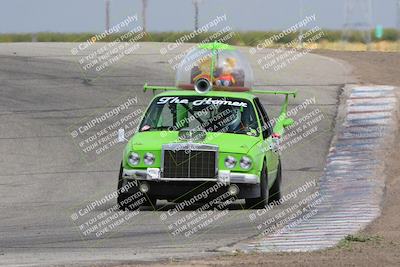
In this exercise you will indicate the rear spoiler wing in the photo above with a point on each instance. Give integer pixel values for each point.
(282, 121)
(173, 88)
(268, 92)
(159, 88)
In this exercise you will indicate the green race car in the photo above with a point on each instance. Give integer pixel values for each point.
(210, 129)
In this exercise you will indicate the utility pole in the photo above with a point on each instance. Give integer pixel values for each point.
(301, 11)
(107, 24)
(398, 23)
(196, 14)
(144, 17)
(398, 14)
(358, 18)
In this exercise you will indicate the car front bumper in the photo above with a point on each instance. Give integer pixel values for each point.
(226, 177)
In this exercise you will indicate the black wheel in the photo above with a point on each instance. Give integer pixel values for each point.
(275, 191)
(123, 196)
(262, 201)
(149, 202)
(125, 200)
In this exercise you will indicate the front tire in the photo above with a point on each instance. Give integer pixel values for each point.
(124, 203)
(262, 201)
(122, 196)
(275, 191)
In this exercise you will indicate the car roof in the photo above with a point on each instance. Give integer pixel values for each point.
(240, 95)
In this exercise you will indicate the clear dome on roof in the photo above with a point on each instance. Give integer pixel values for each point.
(229, 68)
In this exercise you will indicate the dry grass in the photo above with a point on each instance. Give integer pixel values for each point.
(383, 46)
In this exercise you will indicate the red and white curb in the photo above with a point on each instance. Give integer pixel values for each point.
(353, 182)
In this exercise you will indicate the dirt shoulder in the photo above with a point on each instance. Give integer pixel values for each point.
(379, 243)
(370, 67)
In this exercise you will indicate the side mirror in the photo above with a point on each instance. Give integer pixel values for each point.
(287, 122)
(121, 136)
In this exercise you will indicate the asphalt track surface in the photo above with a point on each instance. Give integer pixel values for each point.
(44, 179)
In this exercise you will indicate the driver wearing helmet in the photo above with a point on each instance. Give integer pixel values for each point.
(231, 119)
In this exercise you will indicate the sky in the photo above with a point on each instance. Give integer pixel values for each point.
(20, 16)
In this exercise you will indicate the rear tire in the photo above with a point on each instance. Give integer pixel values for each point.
(262, 201)
(275, 191)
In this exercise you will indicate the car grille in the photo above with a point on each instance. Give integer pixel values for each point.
(189, 164)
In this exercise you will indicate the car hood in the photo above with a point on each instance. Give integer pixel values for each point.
(227, 142)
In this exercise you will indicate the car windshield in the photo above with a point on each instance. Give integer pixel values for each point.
(200, 113)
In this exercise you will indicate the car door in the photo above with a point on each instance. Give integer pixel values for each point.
(271, 154)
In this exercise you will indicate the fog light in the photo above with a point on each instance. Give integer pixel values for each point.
(144, 187)
(233, 190)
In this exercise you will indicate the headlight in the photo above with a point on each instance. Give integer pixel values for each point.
(230, 162)
(134, 158)
(245, 162)
(149, 159)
